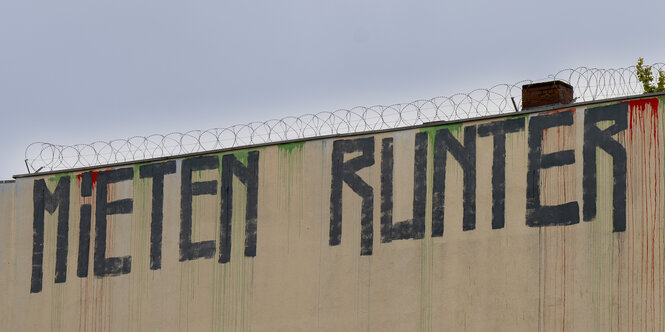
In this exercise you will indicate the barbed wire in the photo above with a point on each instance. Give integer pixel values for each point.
(588, 83)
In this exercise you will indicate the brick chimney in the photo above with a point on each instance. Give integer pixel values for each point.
(546, 93)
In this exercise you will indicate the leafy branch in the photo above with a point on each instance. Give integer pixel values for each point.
(645, 75)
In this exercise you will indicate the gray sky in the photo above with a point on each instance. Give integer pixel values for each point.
(80, 71)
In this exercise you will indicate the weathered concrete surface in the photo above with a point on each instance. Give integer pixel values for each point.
(530, 272)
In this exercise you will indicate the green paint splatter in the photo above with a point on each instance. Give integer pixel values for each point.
(454, 128)
(56, 177)
(290, 168)
(140, 246)
(242, 156)
(289, 147)
(137, 168)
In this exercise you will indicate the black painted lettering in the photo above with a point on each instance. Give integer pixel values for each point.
(411, 228)
(84, 227)
(499, 129)
(102, 265)
(193, 250)
(536, 214)
(596, 138)
(345, 172)
(249, 176)
(445, 142)
(156, 172)
(43, 199)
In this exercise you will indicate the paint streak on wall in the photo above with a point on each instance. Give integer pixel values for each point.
(553, 271)
(643, 259)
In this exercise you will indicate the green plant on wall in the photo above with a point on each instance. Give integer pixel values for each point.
(645, 75)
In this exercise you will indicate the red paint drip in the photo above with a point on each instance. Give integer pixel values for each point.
(643, 109)
(94, 177)
(644, 123)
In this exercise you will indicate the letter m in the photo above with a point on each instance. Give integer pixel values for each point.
(45, 200)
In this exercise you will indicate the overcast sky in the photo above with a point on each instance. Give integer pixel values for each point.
(80, 71)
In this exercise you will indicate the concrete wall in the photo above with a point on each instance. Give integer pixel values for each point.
(536, 222)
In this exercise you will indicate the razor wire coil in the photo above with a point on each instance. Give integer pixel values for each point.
(588, 83)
